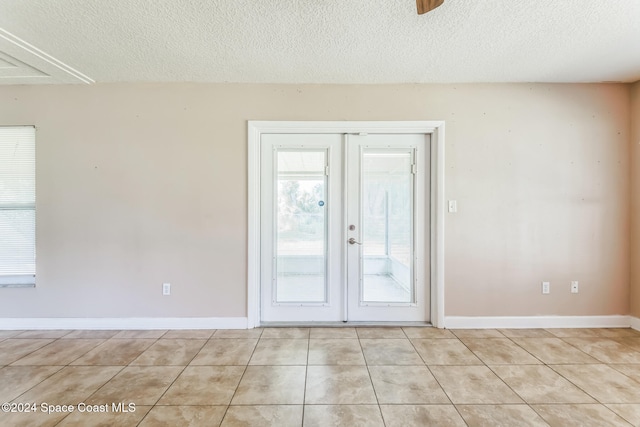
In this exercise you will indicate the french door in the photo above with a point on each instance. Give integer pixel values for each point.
(344, 227)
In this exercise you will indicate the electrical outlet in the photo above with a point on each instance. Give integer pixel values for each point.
(166, 289)
(574, 286)
(546, 287)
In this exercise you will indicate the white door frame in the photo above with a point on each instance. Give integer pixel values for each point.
(435, 128)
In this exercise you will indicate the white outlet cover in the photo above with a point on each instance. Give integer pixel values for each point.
(546, 287)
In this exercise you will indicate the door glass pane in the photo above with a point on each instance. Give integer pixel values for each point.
(301, 226)
(387, 224)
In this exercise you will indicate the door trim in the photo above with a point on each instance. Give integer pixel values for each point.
(255, 129)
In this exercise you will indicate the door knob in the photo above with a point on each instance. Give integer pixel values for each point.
(352, 241)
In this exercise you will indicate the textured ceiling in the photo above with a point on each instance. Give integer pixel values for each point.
(319, 41)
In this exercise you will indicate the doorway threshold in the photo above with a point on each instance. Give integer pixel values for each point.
(343, 324)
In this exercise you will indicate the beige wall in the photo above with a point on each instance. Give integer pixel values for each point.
(635, 199)
(142, 184)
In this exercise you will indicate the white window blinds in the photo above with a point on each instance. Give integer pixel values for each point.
(17, 205)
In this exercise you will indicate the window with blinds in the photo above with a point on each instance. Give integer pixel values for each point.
(17, 206)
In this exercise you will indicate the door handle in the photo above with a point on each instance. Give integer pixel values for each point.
(352, 241)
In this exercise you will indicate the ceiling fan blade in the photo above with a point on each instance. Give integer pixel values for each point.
(425, 6)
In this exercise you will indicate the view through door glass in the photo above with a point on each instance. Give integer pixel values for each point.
(301, 226)
(387, 218)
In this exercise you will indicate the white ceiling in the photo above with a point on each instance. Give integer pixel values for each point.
(318, 41)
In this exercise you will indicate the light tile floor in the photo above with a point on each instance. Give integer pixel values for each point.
(322, 377)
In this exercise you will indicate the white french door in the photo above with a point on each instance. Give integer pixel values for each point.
(344, 227)
(301, 217)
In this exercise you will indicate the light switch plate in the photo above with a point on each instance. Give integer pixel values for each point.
(546, 287)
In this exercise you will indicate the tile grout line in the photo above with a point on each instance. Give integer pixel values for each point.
(497, 376)
(550, 366)
(511, 388)
(516, 393)
(558, 373)
(88, 397)
(62, 367)
(375, 393)
(306, 377)
(28, 354)
(241, 377)
(31, 352)
(117, 373)
(436, 379)
(174, 380)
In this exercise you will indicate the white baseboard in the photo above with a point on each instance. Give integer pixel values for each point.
(526, 322)
(450, 322)
(124, 323)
